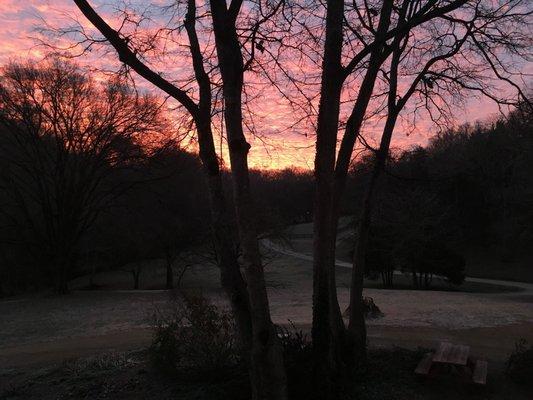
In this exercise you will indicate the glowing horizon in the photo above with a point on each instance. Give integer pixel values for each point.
(276, 146)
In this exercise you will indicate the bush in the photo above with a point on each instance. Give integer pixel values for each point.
(520, 363)
(296, 344)
(194, 337)
(298, 358)
(372, 311)
(426, 259)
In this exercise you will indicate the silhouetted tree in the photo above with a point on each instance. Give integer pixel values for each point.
(199, 108)
(62, 148)
(383, 38)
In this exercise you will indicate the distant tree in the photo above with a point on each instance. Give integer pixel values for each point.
(282, 197)
(133, 250)
(175, 209)
(160, 218)
(426, 259)
(60, 148)
(483, 173)
(380, 259)
(433, 205)
(173, 234)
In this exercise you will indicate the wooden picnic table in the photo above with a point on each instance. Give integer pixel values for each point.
(451, 357)
(449, 353)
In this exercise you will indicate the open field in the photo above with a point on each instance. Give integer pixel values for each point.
(129, 375)
(45, 330)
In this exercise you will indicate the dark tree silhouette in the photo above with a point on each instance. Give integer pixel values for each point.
(61, 150)
(249, 301)
(200, 112)
(460, 39)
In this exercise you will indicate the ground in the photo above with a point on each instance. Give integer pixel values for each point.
(129, 375)
(44, 330)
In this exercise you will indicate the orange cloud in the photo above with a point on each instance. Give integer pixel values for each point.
(280, 142)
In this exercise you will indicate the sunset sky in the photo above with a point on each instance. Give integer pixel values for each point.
(280, 144)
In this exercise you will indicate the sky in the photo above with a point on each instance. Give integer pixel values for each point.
(278, 144)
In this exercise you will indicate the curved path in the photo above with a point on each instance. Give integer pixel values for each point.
(45, 329)
(490, 323)
(525, 287)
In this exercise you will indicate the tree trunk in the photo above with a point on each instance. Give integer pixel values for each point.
(428, 277)
(62, 264)
(170, 275)
(388, 277)
(357, 325)
(62, 287)
(327, 326)
(136, 273)
(230, 274)
(267, 369)
(93, 273)
(224, 239)
(231, 278)
(354, 336)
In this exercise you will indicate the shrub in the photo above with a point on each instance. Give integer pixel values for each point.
(294, 341)
(297, 355)
(372, 311)
(426, 259)
(193, 337)
(520, 363)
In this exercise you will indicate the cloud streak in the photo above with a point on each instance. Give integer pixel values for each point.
(278, 143)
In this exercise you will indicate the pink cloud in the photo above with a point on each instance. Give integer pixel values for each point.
(279, 145)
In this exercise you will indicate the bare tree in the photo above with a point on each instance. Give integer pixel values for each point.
(376, 36)
(62, 148)
(249, 301)
(361, 42)
(172, 237)
(267, 360)
(131, 54)
(438, 74)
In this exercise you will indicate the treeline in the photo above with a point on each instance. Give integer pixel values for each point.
(87, 186)
(471, 187)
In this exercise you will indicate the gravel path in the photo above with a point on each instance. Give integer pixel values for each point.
(412, 308)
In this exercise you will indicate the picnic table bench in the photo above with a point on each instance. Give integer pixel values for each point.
(455, 358)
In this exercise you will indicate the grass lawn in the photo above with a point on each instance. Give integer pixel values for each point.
(130, 376)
